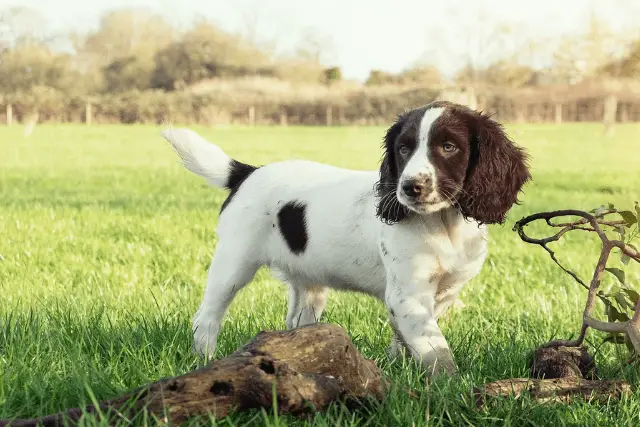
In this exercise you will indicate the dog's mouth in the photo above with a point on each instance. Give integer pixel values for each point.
(429, 204)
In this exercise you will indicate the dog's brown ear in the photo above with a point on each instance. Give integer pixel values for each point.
(388, 208)
(497, 172)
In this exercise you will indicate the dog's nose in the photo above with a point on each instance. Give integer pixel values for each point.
(412, 187)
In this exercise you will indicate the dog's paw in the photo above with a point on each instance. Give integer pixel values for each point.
(204, 346)
(439, 363)
(205, 335)
(442, 367)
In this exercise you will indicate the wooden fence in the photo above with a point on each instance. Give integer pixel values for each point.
(359, 109)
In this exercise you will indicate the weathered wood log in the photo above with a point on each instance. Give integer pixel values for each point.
(558, 361)
(309, 368)
(552, 390)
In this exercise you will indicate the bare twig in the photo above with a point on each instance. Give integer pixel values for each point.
(596, 221)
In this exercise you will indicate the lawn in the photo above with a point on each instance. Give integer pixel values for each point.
(106, 239)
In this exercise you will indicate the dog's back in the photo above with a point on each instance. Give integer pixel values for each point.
(294, 207)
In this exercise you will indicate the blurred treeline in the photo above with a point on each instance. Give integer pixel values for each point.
(136, 68)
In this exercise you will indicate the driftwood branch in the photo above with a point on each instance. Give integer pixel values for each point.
(560, 374)
(595, 221)
(308, 368)
(562, 390)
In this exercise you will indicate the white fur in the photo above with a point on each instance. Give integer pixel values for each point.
(419, 162)
(417, 267)
(200, 157)
(420, 165)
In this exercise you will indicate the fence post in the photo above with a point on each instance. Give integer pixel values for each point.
(624, 113)
(87, 113)
(252, 116)
(609, 116)
(329, 115)
(32, 121)
(558, 113)
(9, 114)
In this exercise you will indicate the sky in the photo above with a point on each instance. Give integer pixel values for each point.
(361, 35)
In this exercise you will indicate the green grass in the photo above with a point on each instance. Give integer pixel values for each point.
(105, 242)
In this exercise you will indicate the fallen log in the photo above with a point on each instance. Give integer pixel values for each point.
(561, 374)
(308, 368)
(559, 390)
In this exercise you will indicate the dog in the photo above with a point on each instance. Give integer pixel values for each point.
(411, 234)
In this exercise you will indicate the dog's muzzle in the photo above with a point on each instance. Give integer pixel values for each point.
(417, 189)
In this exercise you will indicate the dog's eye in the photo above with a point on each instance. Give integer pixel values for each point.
(403, 150)
(449, 147)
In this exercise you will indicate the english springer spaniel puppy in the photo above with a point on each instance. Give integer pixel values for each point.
(411, 234)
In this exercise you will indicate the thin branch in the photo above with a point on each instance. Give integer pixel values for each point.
(597, 277)
(635, 320)
(627, 250)
(547, 216)
(569, 343)
(632, 327)
(613, 327)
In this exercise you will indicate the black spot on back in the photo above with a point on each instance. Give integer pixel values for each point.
(292, 223)
(238, 173)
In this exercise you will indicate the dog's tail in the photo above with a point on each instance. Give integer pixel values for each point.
(205, 159)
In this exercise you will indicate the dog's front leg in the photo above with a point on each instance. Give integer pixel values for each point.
(416, 327)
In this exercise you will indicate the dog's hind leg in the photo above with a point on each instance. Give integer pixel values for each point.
(230, 271)
(306, 304)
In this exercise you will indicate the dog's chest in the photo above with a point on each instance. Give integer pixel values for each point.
(456, 266)
(450, 255)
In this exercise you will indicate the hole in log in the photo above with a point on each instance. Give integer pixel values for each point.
(174, 385)
(221, 388)
(267, 367)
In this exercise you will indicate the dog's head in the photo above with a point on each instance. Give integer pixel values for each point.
(447, 155)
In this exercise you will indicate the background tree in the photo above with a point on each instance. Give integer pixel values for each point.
(124, 45)
(21, 25)
(124, 33)
(421, 74)
(314, 47)
(507, 72)
(628, 66)
(127, 73)
(206, 52)
(332, 75)
(598, 53)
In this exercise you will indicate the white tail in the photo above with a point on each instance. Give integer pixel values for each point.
(200, 156)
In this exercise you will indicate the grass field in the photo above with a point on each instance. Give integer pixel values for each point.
(105, 241)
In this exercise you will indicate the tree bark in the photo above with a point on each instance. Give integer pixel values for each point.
(309, 368)
(552, 390)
